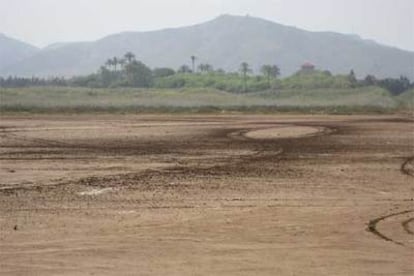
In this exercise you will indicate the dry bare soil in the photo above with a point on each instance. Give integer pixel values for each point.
(206, 195)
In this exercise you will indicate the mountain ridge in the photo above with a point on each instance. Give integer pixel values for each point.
(225, 42)
(13, 50)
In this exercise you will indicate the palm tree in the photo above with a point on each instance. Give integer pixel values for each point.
(245, 69)
(122, 63)
(205, 67)
(184, 69)
(267, 72)
(270, 71)
(129, 57)
(275, 71)
(109, 63)
(115, 62)
(201, 67)
(193, 59)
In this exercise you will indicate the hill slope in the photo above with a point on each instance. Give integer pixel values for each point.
(225, 42)
(12, 51)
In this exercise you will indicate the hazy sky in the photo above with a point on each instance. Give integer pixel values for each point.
(42, 22)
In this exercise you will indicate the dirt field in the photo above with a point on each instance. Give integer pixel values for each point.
(206, 195)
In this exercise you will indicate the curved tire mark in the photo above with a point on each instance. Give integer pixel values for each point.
(406, 225)
(372, 226)
(404, 167)
(241, 134)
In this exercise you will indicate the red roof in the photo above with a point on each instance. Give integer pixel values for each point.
(307, 64)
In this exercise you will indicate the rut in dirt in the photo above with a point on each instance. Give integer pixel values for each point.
(373, 226)
(407, 167)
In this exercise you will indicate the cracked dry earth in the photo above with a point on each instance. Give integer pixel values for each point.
(206, 195)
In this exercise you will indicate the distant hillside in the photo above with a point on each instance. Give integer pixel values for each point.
(225, 42)
(13, 51)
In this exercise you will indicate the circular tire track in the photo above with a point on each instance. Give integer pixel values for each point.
(242, 134)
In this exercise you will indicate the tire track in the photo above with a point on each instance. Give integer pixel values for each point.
(231, 162)
(373, 226)
(145, 176)
(406, 225)
(405, 167)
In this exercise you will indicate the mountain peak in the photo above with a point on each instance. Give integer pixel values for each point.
(246, 18)
(227, 16)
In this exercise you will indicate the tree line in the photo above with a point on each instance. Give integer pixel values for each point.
(127, 71)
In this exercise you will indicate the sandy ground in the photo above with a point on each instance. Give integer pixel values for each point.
(206, 195)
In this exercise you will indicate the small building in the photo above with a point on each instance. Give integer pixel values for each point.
(308, 67)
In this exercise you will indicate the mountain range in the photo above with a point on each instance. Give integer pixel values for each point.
(224, 42)
(13, 51)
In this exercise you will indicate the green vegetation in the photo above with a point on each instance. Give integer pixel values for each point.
(128, 72)
(316, 79)
(406, 100)
(125, 84)
(69, 99)
(230, 82)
